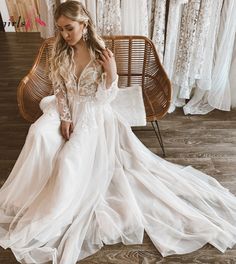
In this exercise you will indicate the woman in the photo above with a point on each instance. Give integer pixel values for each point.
(83, 179)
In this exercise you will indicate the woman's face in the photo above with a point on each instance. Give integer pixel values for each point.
(70, 30)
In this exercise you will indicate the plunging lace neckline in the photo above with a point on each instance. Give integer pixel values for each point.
(92, 56)
(81, 74)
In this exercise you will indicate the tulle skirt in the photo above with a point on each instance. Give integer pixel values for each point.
(65, 199)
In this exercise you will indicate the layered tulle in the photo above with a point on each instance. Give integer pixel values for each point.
(64, 199)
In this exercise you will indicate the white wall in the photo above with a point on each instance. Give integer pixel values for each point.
(6, 16)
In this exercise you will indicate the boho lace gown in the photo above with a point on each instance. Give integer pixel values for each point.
(64, 199)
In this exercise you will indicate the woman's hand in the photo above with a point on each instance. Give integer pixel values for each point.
(109, 66)
(66, 129)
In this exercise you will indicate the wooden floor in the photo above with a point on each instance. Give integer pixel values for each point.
(207, 142)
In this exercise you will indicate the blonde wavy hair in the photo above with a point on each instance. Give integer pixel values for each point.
(61, 62)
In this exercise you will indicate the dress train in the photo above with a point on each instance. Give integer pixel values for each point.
(64, 199)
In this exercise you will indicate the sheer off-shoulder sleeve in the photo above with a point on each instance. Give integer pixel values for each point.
(62, 103)
(104, 94)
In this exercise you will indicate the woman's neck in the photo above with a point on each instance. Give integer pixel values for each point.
(81, 45)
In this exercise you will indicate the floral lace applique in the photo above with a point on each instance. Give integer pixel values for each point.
(90, 87)
(89, 82)
(62, 104)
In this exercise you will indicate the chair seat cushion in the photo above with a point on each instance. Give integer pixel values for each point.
(130, 105)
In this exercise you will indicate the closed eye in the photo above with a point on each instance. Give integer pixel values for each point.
(69, 29)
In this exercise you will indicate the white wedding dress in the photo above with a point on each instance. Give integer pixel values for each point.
(64, 199)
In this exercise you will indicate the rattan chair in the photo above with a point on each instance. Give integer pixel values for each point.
(137, 63)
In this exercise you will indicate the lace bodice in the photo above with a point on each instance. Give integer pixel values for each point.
(90, 86)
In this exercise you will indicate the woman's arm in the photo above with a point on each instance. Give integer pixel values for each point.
(64, 112)
(107, 92)
(108, 87)
(109, 66)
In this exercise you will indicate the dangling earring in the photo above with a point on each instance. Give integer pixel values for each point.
(85, 34)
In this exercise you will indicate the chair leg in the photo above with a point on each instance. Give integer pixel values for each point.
(158, 135)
